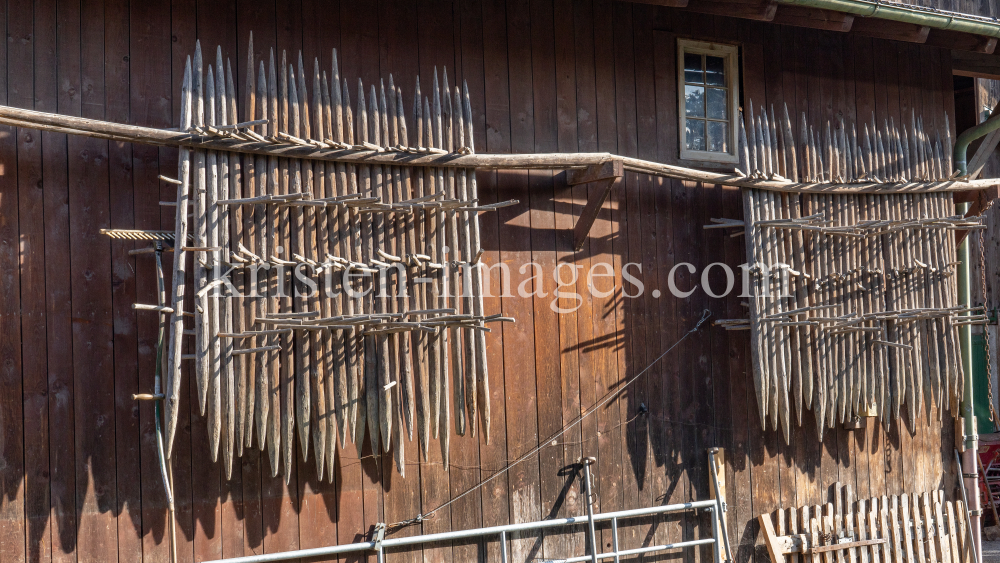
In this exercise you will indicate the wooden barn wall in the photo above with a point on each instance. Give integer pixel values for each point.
(78, 473)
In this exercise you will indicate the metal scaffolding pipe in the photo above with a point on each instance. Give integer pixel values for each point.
(465, 534)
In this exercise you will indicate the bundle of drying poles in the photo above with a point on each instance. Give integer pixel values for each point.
(854, 309)
(387, 351)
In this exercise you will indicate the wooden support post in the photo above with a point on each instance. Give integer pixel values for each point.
(980, 202)
(603, 176)
(717, 465)
(770, 538)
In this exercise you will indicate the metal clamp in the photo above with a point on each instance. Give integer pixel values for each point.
(378, 534)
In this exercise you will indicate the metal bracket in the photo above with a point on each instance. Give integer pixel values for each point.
(603, 176)
(378, 534)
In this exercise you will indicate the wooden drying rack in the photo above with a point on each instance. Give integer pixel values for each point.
(919, 528)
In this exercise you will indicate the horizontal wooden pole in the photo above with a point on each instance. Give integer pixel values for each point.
(30, 119)
(842, 546)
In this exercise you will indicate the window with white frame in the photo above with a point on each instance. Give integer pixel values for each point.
(708, 80)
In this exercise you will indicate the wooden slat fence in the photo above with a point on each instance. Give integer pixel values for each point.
(912, 527)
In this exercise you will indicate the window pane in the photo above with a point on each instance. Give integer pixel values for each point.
(715, 71)
(694, 101)
(717, 103)
(695, 134)
(693, 68)
(718, 136)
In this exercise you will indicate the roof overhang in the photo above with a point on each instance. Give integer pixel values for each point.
(881, 19)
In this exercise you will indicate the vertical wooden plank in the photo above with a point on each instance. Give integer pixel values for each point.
(59, 324)
(900, 547)
(849, 522)
(23, 375)
(957, 548)
(964, 541)
(944, 546)
(150, 96)
(496, 137)
(90, 268)
(552, 479)
(931, 537)
(122, 214)
(574, 300)
(873, 531)
(908, 531)
(597, 358)
(605, 241)
(520, 368)
(631, 434)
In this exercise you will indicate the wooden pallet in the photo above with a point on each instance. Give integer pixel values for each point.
(918, 527)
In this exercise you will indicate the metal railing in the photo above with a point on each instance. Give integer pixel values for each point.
(379, 546)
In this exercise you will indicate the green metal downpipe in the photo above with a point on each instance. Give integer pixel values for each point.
(966, 138)
(938, 19)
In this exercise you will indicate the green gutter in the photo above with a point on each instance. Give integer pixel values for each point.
(937, 19)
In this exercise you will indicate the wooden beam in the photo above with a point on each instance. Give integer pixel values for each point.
(590, 211)
(814, 18)
(958, 41)
(845, 545)
(976, 65)
(892, 30)
(759, 11)
(979, 204)
(603, 176)
(30, 119)
(607, 170)
(770, 538)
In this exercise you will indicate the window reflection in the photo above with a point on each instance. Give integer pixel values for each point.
(694, 101)
(715, 70)
(718, 136)
(693, 68)
(706, 103)
(695, 134)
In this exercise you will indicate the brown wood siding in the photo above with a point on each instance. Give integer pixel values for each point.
(78, 472)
